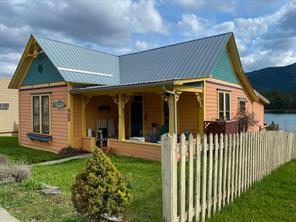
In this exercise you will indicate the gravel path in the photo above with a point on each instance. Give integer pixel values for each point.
(63, 160)
(6, 217)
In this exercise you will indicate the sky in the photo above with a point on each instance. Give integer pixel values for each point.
(265, 30)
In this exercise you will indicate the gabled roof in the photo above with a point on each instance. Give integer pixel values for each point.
(187, 60)
(77, 64)
(192, 59)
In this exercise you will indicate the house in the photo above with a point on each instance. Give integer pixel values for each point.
(8, 109)
(78, 97)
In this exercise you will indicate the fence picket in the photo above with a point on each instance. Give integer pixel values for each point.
(210, 173)
(218, 171)
(233, 167)
(240, 164)
(204, 178)
(229, 167)
(220, 194)
(224, 195)
(190, 184)
(216, 150)
(197, 185)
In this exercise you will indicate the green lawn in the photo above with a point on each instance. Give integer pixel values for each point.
(10, 148)
(29, 205)
(272, 199)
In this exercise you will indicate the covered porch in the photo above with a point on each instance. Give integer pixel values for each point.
(130, 119)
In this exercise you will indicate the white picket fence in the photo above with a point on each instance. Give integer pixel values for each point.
(200, 177)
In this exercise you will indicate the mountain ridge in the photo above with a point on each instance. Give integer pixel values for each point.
(282, 78)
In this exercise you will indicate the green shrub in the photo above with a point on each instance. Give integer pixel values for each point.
(100, 189)
(14, 172)
(32, 184)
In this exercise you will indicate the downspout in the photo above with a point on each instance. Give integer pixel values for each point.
(175, 107)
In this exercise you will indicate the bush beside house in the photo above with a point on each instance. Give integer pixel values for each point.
(100, 189)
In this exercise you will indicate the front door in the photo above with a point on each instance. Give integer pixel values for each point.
(137, 116)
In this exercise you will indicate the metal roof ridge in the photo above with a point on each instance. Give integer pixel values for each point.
(72, 44)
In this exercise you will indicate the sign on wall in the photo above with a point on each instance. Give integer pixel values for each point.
(59, 104)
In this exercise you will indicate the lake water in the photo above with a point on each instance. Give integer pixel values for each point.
(286, 121)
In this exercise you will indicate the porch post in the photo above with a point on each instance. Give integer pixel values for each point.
(172, 102)
(121, 100)
(85, 101)
(200, 101)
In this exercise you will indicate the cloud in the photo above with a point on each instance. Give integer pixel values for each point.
(142, 45)
(104, 24)
(193, 24)
(229, 6)
(263, 41)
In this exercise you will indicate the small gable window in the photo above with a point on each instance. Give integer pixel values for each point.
(4, 106)
(224, 105)
(41, 114)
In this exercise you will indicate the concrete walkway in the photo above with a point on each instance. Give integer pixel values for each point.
(62, 160)
(6, 217)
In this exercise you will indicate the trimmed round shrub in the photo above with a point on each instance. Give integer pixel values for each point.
(100, 189)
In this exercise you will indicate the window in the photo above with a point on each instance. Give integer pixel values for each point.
(242, 105)
(224, 105)
(4, 106)
(41, 114)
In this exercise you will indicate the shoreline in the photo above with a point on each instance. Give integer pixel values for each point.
(280, 111)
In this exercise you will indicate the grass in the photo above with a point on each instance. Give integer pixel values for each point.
(272, 199)
(10, 148)
(144, 177)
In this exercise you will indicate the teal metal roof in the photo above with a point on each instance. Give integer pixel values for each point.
(192, 59)
(77, 64)
(185, 60)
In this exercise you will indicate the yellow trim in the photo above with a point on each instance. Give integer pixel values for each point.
(39, 148)
(224, 82)
(40, 113)
(182, 81)
(202, 110)
(236, 64)
(187, 89)
(70, 120)
(43, 85)
(134, 142)
(121, 119)
(171, 114)
(19, 118)
(23, 65)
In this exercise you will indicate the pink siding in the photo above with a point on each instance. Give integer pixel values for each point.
(59, 117)
(211, 102)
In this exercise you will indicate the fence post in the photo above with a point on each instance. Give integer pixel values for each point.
(169, 177)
